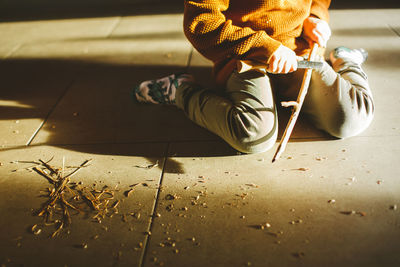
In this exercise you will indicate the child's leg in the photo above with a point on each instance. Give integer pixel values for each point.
(339, 99)
(245, 117)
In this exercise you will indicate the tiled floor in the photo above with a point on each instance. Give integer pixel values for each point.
(65, 94)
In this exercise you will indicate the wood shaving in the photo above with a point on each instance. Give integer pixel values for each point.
(298, 221)
(298, 254)
(353, 212)
(129, 192)
(150, 166)
(265, 225)
(136, 215)
(83, 246)
(352, 179)
(67, 198)
(171, 197)
(252, 185)
(362, 213)
(243, 195)
(35, 230)
(170, 207)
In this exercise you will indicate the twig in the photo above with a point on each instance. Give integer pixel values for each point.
(296, 107)
(78, 168)
(49, 167)
(148, 166)
(39, 171)
(64, 197)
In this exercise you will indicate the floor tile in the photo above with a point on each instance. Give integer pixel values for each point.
(40, 33)
(104, 70)
(213, 210)
(30, 86)
(395, 29)
(127, 40)
(28, 92)
(114, 117)
(118, 240)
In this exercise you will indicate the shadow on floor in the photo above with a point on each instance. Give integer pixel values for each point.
(364, 32)
(87, 105)
(68, 10)
(48, 10)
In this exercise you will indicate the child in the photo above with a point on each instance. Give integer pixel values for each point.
(277, 32)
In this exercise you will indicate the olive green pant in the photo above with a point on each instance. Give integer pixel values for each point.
(245, 116)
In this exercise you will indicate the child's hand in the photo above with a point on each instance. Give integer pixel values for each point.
(316, 30)
(283, 60)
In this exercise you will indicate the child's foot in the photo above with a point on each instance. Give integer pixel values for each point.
(161, 91)
(357, 56)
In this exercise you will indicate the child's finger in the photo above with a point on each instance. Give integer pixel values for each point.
(280, 67)
(287, 67)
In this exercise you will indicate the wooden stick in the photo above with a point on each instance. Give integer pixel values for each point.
(296, 107)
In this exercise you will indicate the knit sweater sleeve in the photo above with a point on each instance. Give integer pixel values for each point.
(319, 8)
(215, 37)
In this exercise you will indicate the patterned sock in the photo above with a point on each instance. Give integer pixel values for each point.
(355, 56)
(345, 60)
(161, 91)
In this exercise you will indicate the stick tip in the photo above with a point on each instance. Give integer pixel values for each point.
(277, 154)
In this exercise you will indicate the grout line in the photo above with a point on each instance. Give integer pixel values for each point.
(394, 30)
(133, 142)
(49, 113)
(153, 212)
(297, 139)
(15, 49)
(189, 61)
(116, 24)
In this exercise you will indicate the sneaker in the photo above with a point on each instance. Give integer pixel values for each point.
(357, 56)
(161, 91)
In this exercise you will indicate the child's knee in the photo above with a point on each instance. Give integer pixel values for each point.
(341, 105)
(350, 122)
(257, 146)
(350, 126)
(255, 134)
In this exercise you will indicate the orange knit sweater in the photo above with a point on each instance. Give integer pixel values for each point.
(225, 31)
